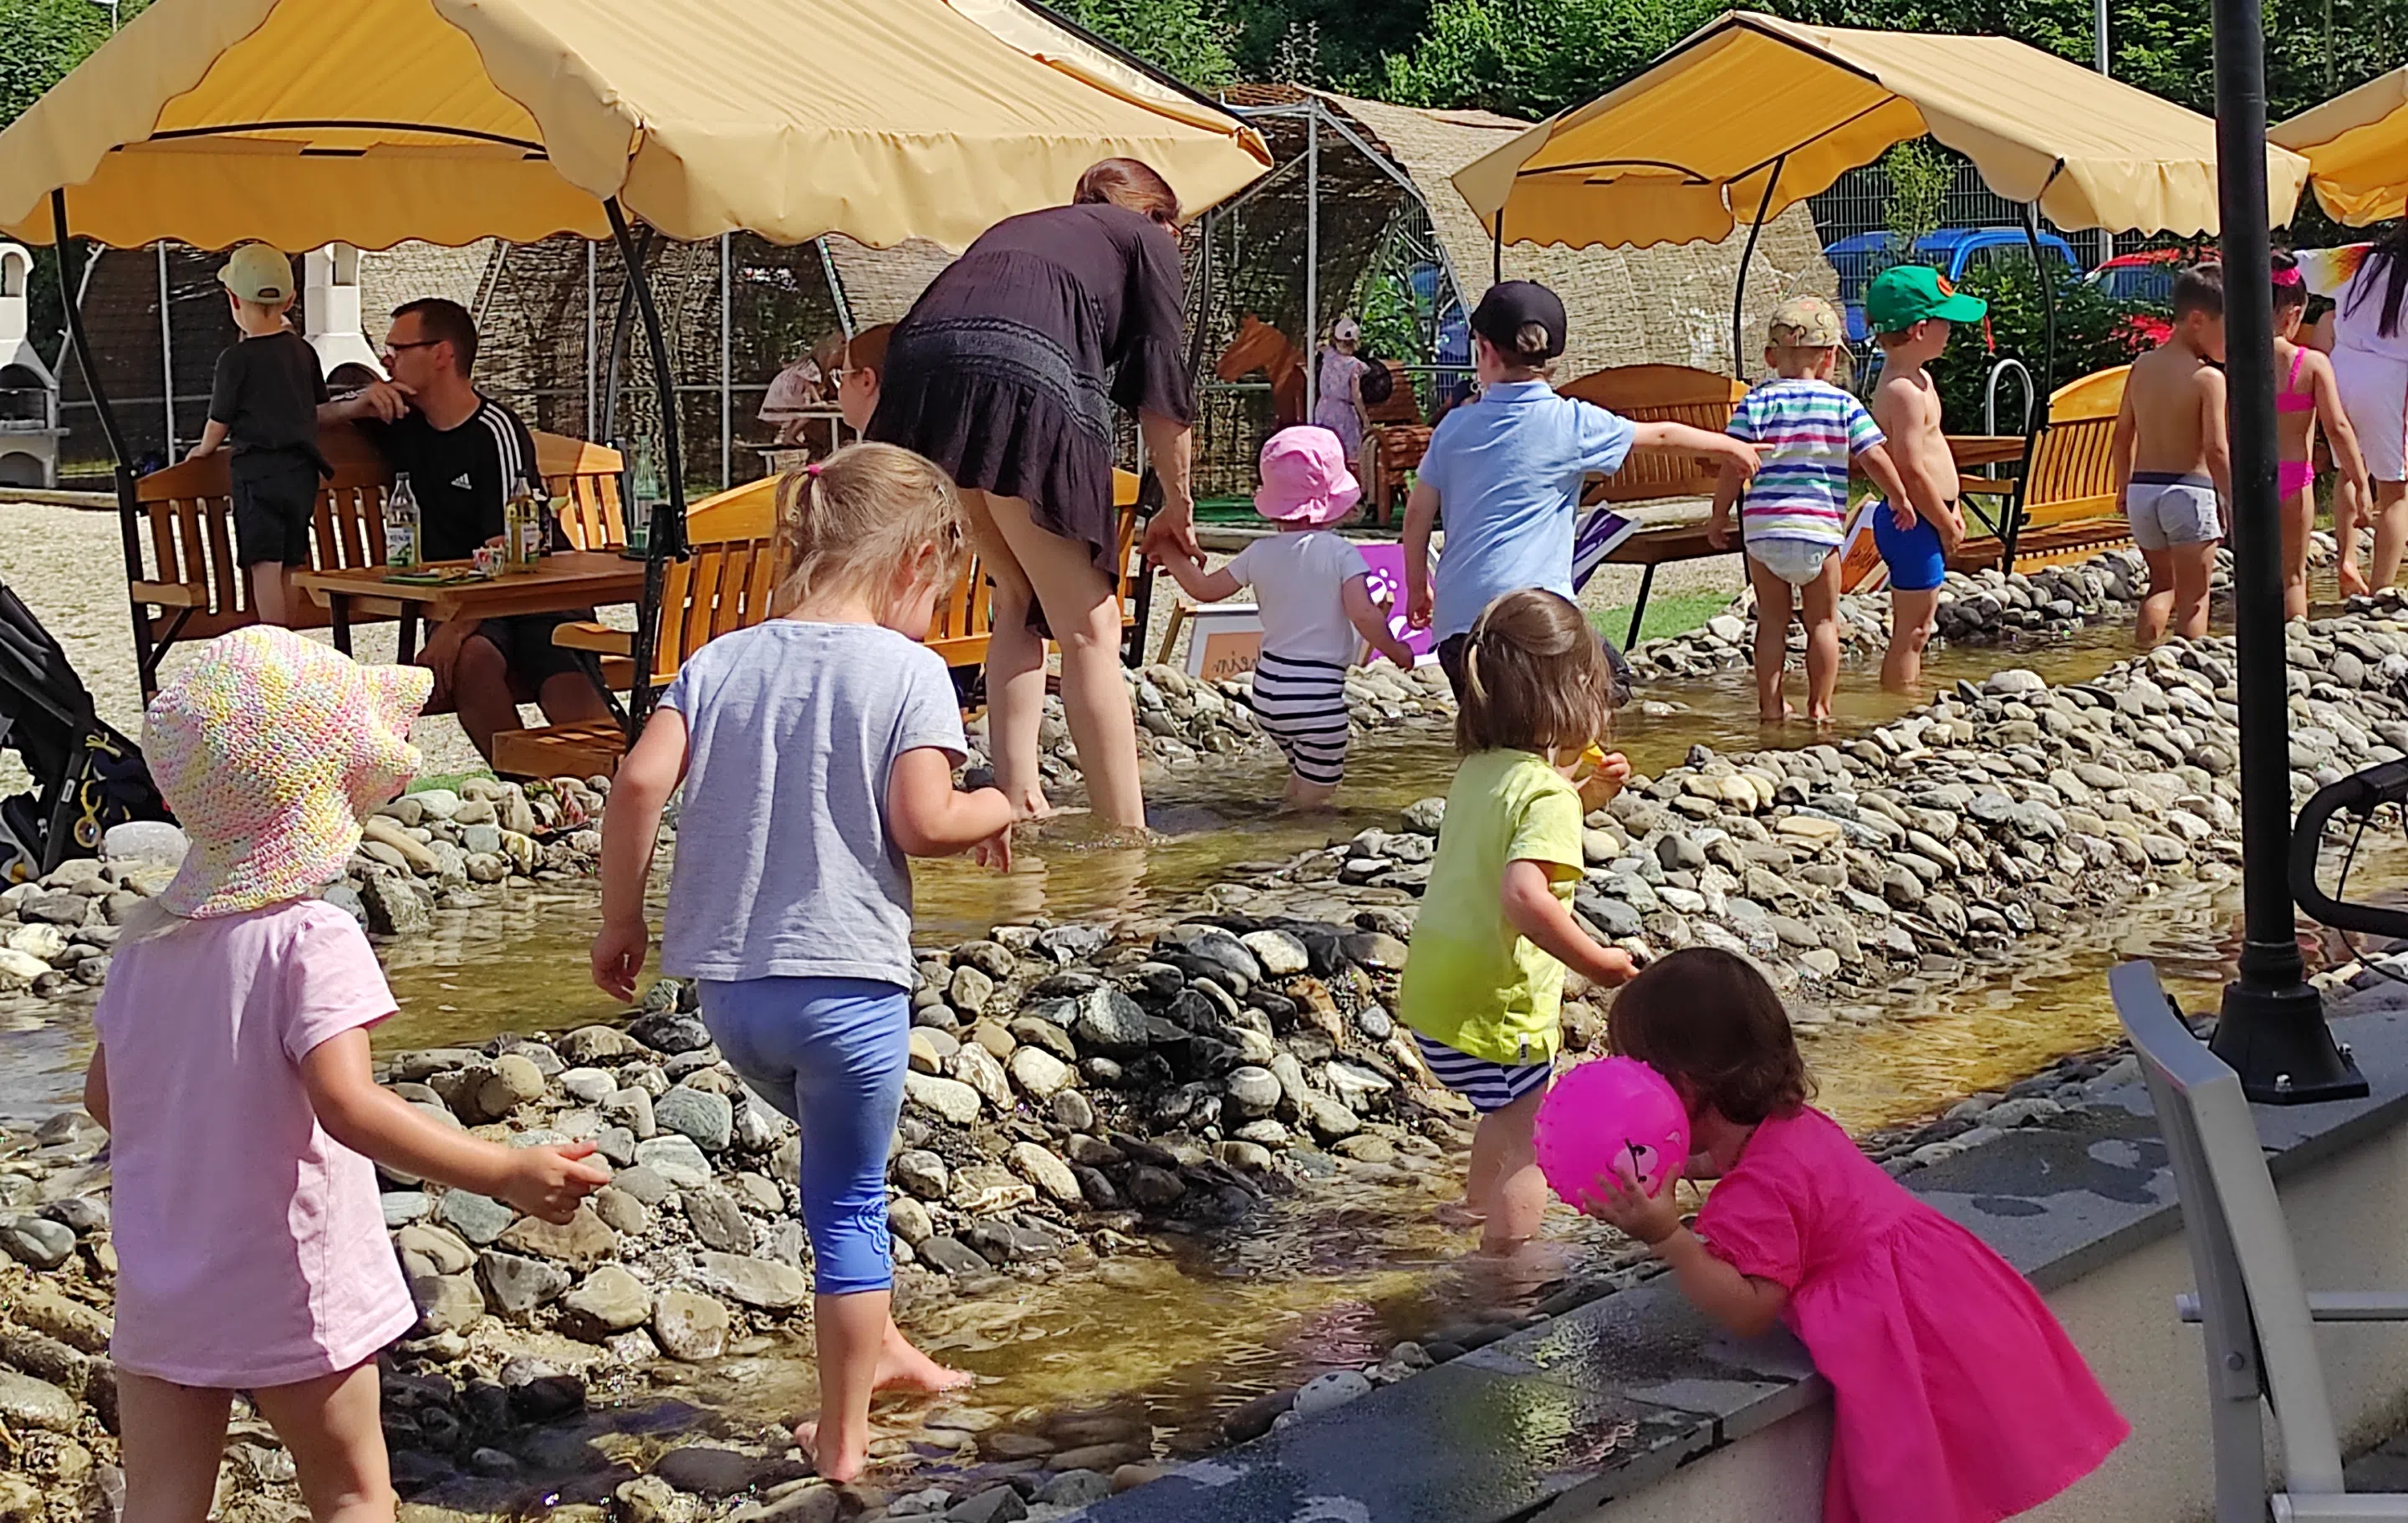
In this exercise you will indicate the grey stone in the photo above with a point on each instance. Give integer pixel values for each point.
(689, 1327)
(394, 908)
(707, 1120)
(718, 1221)
(676, 1159)
(995, 1505)
(923, 1174)
(667, 1031)
(1110, 1022)
(1050, 1174)
(1039, 1075)
(478, 1218)
(950, 1256)
(950, 1098)
(610, 1301)
(1280, 954)
(1252, 1091)
(446, 1303)
(403, 1207)
(1071, 1110)
(1074, 1488)
(31, 1240)
(514, 1286)
(649, 1186)
(1325, 1392)
(27, 1402)
(978, 1067)
(757, 1283)
(705, 1469)
(1374, 949)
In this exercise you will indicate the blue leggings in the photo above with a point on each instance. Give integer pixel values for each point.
(830, 1053)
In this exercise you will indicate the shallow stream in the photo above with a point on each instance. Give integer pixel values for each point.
(1315, 1280)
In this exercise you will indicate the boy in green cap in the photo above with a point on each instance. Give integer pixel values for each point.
(1911, 311)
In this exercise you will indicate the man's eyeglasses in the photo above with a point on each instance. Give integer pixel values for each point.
(391, 348)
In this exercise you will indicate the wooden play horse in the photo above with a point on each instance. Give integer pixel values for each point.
(1261, 346)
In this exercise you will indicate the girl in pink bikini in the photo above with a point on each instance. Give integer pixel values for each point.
(1957, 1396)
(2308, 397)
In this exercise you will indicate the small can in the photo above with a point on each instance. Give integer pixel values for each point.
(488, 560)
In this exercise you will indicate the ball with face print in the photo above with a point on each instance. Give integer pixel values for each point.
(1613, 1117)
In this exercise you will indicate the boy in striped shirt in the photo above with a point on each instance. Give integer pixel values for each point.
(1794, 513)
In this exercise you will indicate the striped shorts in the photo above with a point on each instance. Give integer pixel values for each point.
(1301, 705)
(1489, 1086)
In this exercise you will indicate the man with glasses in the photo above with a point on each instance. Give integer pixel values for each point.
(465, 454)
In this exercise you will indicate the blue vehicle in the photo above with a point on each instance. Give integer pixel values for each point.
(1952, 252)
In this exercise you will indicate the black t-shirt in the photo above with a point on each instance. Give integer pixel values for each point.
(462, 475)
(266, 393)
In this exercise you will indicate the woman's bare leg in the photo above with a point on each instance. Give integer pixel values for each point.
(1084, 613)
(1015, 668)
(2390, 517)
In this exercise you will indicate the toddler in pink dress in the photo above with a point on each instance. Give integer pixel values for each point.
(1958, 1399)
(232, 1075)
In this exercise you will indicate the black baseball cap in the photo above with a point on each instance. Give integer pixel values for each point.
(1511, 305)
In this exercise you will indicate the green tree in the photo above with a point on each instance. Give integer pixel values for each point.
(1919, 177)
(45, 39)
(1188, 38)
(1533, 57)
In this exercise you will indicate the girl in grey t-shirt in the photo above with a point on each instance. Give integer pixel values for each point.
(817, 751)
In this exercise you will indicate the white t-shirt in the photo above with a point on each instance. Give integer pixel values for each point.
(1299, 581)
(2357, 317)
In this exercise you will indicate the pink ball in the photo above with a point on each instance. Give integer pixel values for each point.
(1615, 1115)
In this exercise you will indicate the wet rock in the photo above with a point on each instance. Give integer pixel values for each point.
(1071, 1110)
(1154, 1188)
(1374, 949)
(447, 1302)
(950, 1256)
(983, 1188)
(995, 1505)
(27, 1402)
(1280, 954)
(717, 1221)
(394, 908)
(33, 1240)
(689, 1327)
(1252, 1091)
(707, 1471)
(1327, 1392)
(1074, 1488)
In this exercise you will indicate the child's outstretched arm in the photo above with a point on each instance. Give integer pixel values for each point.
(1202, 586)
(96, 1085)
(1680, 438)
(1371, 621)
(1421, 516)
(2339, 433)
(928, 817)
(1727, 487)
(372, 1120)
(2212, 441)
(1741, 1303)
(631, 826)
(1532, 909)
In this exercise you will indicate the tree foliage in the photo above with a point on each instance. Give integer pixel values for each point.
(45, 39)
(1189, 38)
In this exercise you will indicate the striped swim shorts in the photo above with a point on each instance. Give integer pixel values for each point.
(1301, 705)
(1489, 1086)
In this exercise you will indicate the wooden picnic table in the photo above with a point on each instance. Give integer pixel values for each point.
(563, 583)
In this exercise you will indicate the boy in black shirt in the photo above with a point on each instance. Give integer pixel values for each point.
(265, 403)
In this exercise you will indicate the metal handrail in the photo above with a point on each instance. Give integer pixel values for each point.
(1990, 394)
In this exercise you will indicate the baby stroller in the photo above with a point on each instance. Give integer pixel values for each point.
(87, 777)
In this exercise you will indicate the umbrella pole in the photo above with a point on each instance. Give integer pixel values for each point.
(1497, 250)
(618, 353)
(2272, 1031)
(2038, 418)
(129, 513)
(668, 530)
(1313, 265)
(1747, 257)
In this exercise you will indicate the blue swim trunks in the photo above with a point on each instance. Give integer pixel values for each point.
(1915, 561)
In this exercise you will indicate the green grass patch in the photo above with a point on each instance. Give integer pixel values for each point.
(448, 781)
(1674, 615)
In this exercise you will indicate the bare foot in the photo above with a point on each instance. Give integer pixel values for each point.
(2353, 580)
(1785, 716)
(902, 1367)
(1032, 805)
(832, 1465)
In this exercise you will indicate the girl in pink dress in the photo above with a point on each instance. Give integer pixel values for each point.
(233, 1076)
(1958, 1398)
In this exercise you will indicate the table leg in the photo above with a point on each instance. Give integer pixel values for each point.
(338, 621)
(406, 636)
(1639, 609)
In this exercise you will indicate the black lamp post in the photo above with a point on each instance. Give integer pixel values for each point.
(2272, 1032)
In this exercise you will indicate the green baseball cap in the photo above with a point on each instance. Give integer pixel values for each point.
(1904, 295)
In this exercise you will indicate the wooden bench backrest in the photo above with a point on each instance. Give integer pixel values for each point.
(587, 474)
(1660, 393)
(2072, 478)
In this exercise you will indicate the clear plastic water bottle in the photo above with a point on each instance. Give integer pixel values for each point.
(401, 541)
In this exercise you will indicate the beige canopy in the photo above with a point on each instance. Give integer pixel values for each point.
(2357, 145)
(1689, 148)
(301, 123)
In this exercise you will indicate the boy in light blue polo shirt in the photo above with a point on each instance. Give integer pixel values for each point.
(1507, 469)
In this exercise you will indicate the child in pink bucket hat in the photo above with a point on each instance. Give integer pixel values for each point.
(232, 1075)
(1311, 587)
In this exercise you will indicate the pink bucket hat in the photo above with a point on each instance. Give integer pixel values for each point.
(271, 748)
(1305, 478)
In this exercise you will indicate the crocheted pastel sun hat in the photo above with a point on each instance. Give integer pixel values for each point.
(271, 748)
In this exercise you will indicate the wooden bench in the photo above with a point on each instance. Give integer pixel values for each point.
(2062, 505)
(181, 577)
(727, 584)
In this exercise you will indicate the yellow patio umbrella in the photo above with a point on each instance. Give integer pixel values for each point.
(301, 123)
(1755, 111)
(2357, 145)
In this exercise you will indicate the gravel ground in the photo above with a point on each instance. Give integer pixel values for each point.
(67, 565)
